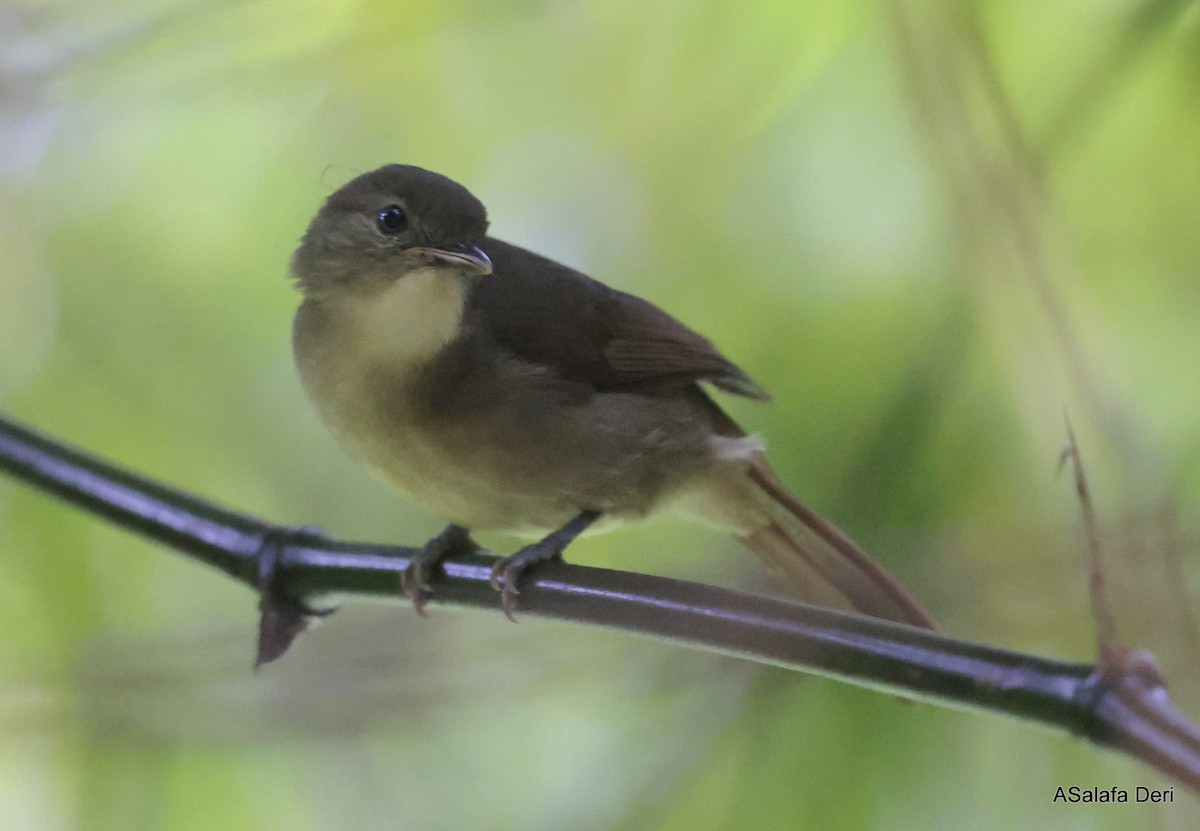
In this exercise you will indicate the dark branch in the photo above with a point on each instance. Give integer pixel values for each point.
(1121, 706)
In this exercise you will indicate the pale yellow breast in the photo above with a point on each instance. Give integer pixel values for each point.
(410, 320)
(355, 352)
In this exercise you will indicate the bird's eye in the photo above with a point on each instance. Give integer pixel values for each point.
(391, 220)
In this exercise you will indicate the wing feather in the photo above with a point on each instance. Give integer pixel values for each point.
(589, 333)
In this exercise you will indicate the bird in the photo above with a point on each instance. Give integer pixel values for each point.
(504, 391)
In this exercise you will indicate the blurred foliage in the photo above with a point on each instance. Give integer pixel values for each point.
(928, 228)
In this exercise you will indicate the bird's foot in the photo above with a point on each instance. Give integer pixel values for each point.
(453, 541)
(508, 570)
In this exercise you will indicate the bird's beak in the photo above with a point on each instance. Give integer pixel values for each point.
(460, 254)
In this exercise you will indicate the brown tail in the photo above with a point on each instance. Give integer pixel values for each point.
(819, 562)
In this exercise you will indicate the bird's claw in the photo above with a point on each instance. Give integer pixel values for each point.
(414, 584)
(453, 541)
(504, 580)
(507, 572)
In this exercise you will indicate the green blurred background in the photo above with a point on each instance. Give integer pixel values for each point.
(927, 227)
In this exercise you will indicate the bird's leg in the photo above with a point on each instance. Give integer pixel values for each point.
(453, 541)
(509, 569)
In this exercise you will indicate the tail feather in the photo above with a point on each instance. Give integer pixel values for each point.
(817, 560)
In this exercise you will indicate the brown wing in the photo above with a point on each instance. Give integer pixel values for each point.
(552, 315)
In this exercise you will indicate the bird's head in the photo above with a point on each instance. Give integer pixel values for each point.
(387, 224)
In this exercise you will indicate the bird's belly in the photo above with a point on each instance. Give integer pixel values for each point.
(460, 486)
(517, 470)
(414, 458)
(463, 472)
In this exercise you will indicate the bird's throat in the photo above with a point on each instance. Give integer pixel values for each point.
(409, 321)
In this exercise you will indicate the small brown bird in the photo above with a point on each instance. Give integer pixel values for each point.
(504, 391)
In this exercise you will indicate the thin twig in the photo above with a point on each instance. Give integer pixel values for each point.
(1107, 640)
(1121, 706)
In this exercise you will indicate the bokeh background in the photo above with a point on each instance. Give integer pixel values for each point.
(928, 227)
